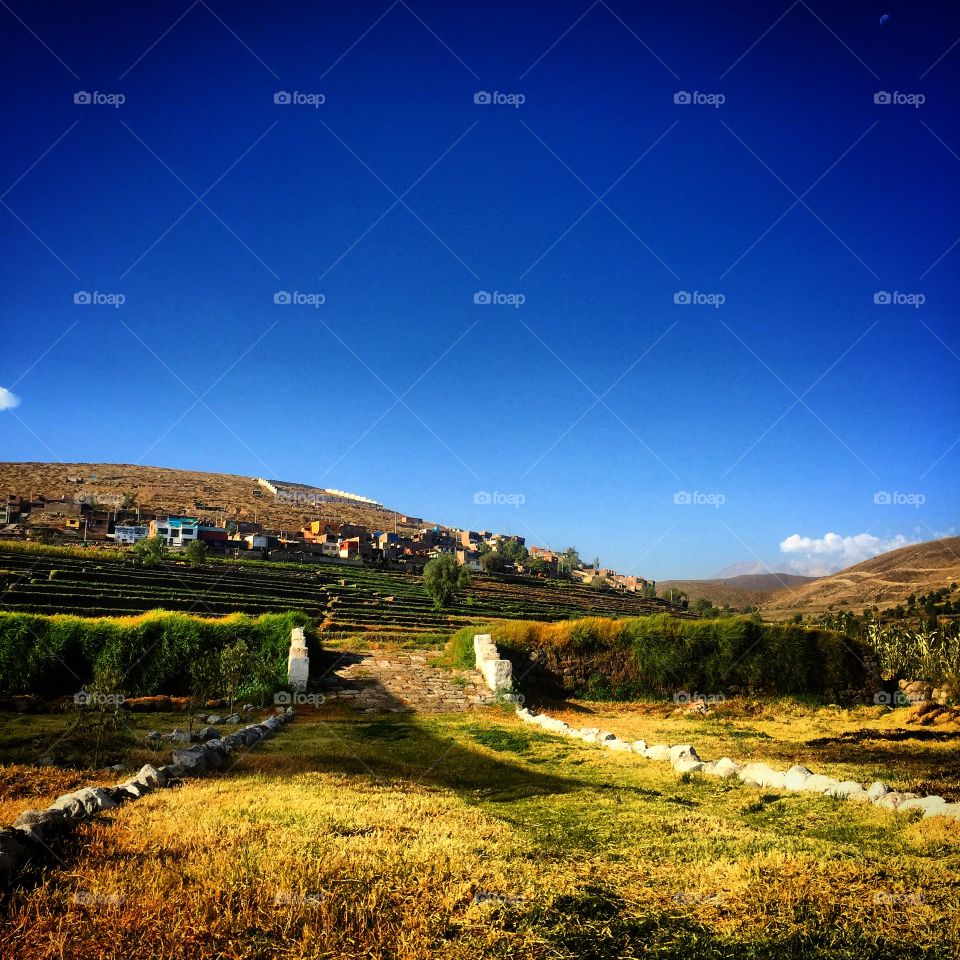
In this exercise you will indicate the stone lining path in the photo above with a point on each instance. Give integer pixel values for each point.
(378, 681)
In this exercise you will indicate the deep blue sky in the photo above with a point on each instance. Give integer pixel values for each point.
(495, 398)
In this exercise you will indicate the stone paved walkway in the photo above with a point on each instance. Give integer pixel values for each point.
(377, 681)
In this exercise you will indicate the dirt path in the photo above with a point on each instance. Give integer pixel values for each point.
(378, 681)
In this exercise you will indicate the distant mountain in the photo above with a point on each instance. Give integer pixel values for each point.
(745, 568)
(738, 592)
(884, 581)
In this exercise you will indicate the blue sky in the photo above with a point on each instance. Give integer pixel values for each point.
(668, 438)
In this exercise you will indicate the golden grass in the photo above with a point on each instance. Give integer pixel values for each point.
(475, 836)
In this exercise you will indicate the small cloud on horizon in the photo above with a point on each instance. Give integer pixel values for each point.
(8, 399)
(819, 556)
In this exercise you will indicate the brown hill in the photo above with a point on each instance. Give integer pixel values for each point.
(738, 593)
(211, 496)
(884, 581)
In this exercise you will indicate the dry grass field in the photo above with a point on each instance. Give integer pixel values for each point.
(470, 835)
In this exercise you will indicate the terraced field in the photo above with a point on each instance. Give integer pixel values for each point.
(342, 597)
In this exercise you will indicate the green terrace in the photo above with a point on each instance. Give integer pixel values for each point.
(341, 597)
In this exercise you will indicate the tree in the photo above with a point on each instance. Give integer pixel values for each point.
(196, 553)
(129, 501)
(235, 666)
(598, 583)
(572, 559)
(205, 682)
(443, 579)
(150, 551)
(492, 562)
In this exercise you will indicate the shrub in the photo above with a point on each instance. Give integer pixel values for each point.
(54, 655)
(663, 654)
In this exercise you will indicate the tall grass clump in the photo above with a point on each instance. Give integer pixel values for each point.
(55, 655)
(661, 654)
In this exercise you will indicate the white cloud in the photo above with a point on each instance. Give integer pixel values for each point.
(818, 556)
(8, 400)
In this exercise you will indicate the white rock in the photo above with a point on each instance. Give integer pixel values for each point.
(686, 763)
(819, 783)
(796, 777)
(726, 768)
(618, 745)
(682, 750)
(929, 805)
(876, 790)
(658, 751)
(758, 774)
(605, 735)
(845, 790)
(709, 767)
(893, 799)
(639, 746)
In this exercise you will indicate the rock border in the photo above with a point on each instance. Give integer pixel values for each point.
(684, 758)
(29, 834)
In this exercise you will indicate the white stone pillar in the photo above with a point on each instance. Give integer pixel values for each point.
(298, 663)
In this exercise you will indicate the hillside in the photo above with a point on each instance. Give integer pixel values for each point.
(884, 581)
(746, 590)
(207, 495)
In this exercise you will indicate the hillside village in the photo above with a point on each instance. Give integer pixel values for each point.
(93, 516)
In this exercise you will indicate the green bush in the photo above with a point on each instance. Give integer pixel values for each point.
(55, 655)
